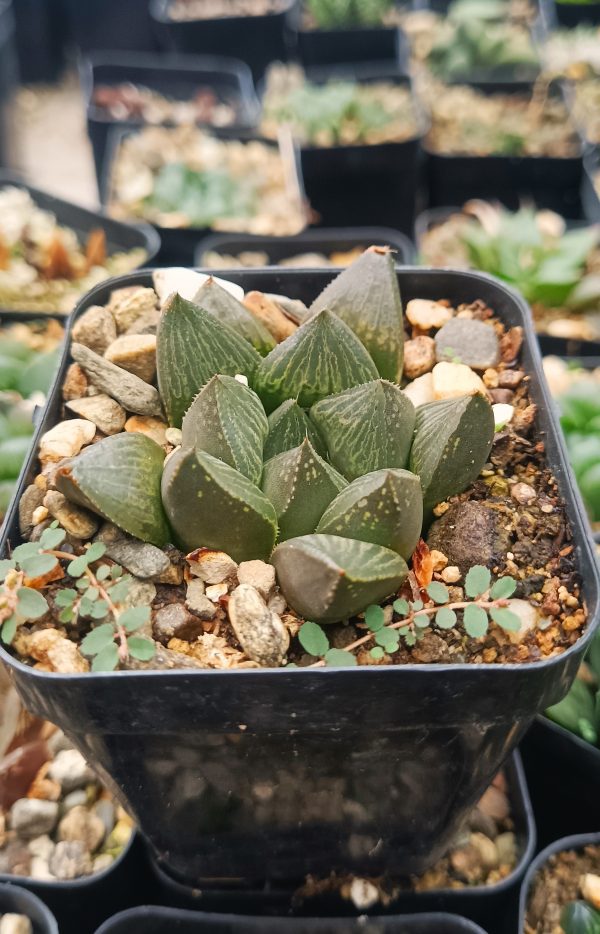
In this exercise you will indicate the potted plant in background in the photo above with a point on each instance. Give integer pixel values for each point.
(560, 890)
(332, 33)
(232, 781)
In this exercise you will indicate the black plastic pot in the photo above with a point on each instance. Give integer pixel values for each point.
(119, 236)
(82, 904)
(324, 240)
(8, 83)
(178, 244)
(257, 40)
(149, 920)
(590, 197)
(344, 46)
(378, 765)
(549, 182)
(110, 24)
(15, 900)
(41, 39)
(178, 77)
(571, 14)
(493, 906)
(576, 842)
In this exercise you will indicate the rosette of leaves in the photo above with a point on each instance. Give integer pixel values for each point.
(580, 917)
(475, 46)
(302, 456)
(337, 14)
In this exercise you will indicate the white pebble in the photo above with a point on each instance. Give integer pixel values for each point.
(503, 414)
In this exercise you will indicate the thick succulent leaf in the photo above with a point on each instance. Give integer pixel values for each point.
(211, 505)
(227, 420)
(453, 439)
(366, 428)
(192, 346)
(227, 309)
(289, 425)
(326, 578)
(119, 478)
(384, 507)
(322, 357)
(366, 296)
(300, 484)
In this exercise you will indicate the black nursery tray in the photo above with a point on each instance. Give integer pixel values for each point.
(353, 45)
(15, 900)
(573, 842)
(176, 76)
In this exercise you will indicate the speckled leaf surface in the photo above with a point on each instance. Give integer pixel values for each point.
(228, 310)
(289, 425)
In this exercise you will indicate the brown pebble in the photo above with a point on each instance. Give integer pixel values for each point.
(523, 493)
(502, 396)
(510, 379)
(419, 356)
(75, 384)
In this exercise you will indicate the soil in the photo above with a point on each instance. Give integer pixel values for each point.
(557, 884)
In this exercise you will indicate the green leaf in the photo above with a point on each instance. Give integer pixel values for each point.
(475, 621)
(382, 420)
(9, 629)
(84, 582)
(313, 640)
(227, 420)
(453, 439)
(27, 550)
(52, 538)
(367, 298)
(438, 592)
(66, 597)
(416, 605)
(66, 615)
(300, 485)
(477, 581)
(107, 659)
(103, 572)
(289, 425)
(116, 571)
(38, 565)
(322, 357)
(503, 588)
(388, 639)
(77, 567)
(377, 652)
(92, 594)
(98, 639)
(410, 638)
(505, 619)
(579, 917)
(211, 505)
(119, 591)
(327, 578)
(192, 347)
(374, 617)
(445, 618)
(422, 620)
(135, 617)
(85, 606)
(119, 478)
(384, 507)
(30, 603)
(223, 306)
(99, 609)
(401, 607)
(141, 648)
(6, 565)
(339, 658)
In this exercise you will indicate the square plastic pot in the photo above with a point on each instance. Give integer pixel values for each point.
(257, 40)
(576, 842)
(149, 920)
(119, 236)
(550, 182)
(493, 906)
(367, 769)
(353, 45)
(110, 24)
(178, 244)
(8, 83)
(323, 240)
(14, 899)
(571, 15)
(590, 197)
(41, 39)
(178, 77)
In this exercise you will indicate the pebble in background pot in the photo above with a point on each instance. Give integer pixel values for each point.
(17, 901)
(199, 763)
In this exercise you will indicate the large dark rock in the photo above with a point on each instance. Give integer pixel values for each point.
(470, 533)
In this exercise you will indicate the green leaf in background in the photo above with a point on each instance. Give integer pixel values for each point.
(107, 659)
(201, 196)
(580, 917)
(9, 630)
(339, 658)
(313, 639)
(477, 581)
(475, 621)
(98, 639)
(13, 452)
(30, 603)
(141, 648)
(134, 617)
(38, 375)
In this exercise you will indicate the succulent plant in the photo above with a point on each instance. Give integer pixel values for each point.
(320, 486)
(336, 14)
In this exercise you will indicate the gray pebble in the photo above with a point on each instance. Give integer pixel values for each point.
(468, 341)
(140, 558)
(175, 622)
(130, 391)
(74, 799)
(70, 770)
(29, 502)
(105, 810)
(261, 633)
(70, 860)
(32, 817)
(95, 328)
(57, 742)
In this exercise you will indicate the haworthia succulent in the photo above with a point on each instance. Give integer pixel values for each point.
(227, 420)
(366, 428)
(211, 505)
(289, 425)
(453, 439)
(326, 578)
(323, 356)
(300, 484)
(366, 296)
(384, 507)
(228, 310)
(192, 346)
(119, 478)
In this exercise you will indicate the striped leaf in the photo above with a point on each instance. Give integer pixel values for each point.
(366, 428)
(366, 296)
(453, 439)
(300, 484)
(119, 478)
(326, 578)
(227, 420)
(192, 346)
(209, 504)
(384, 507)
(322, 357)
(289, 425)
(213, 298)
